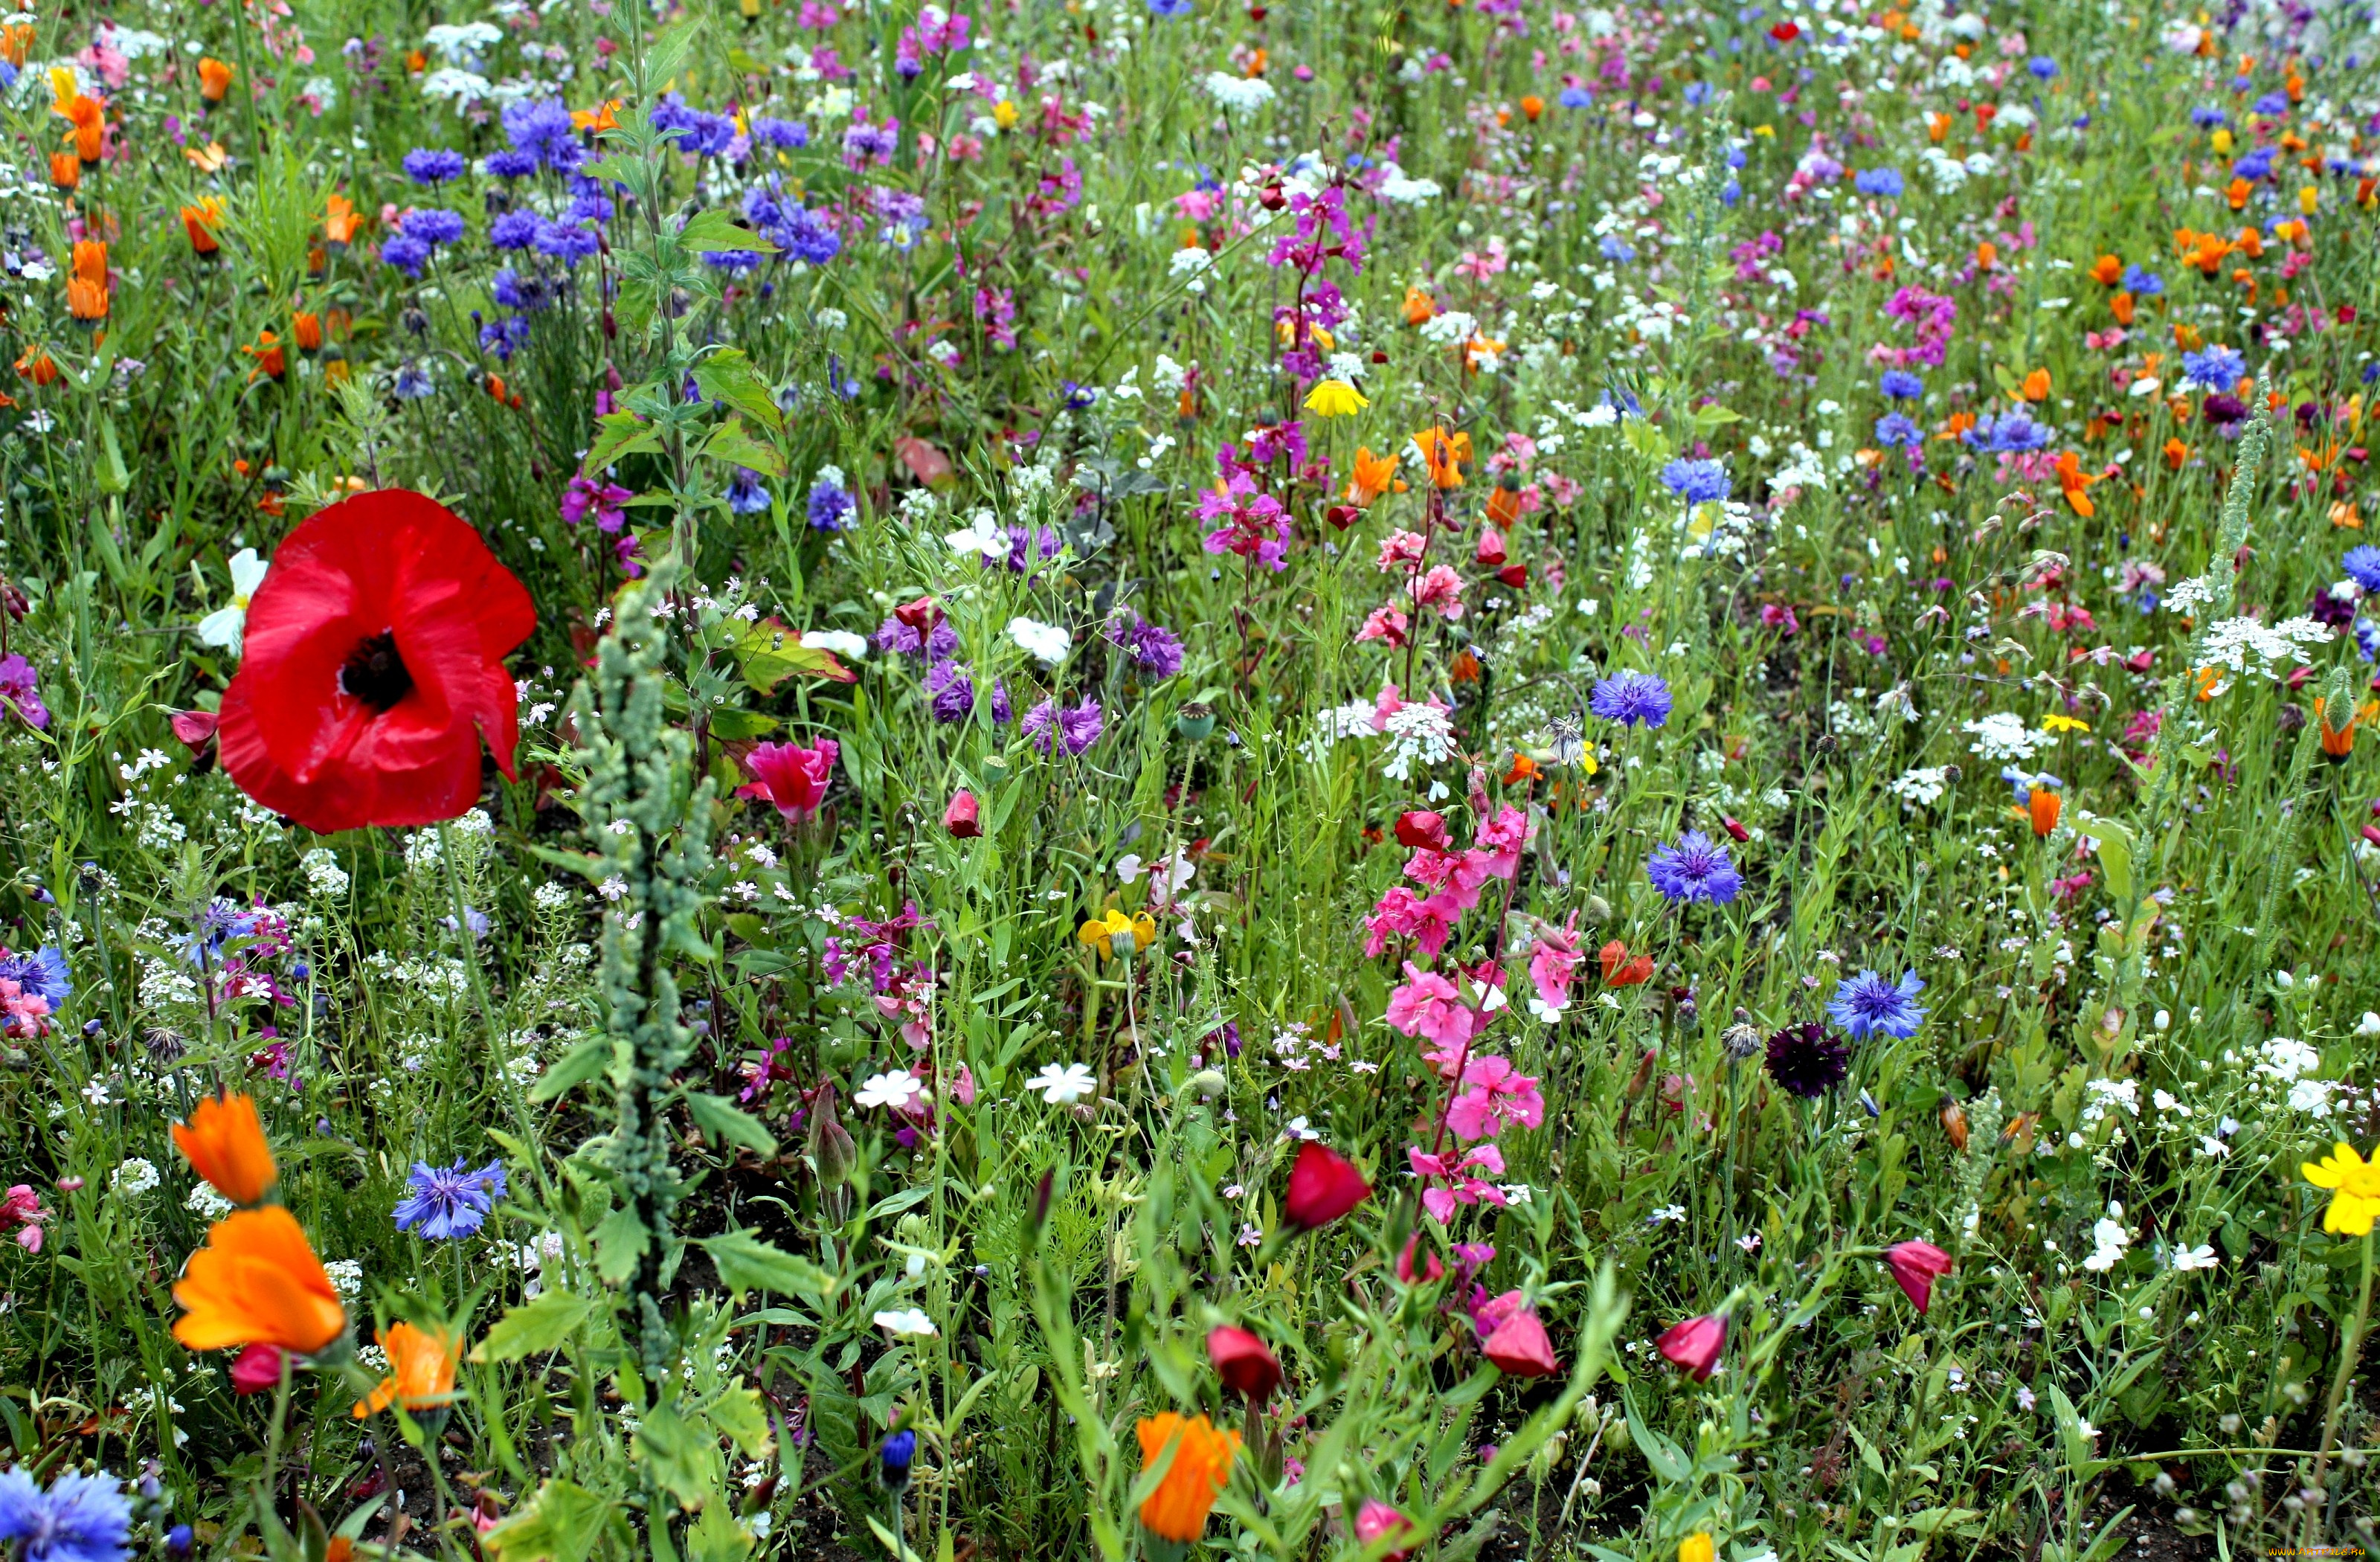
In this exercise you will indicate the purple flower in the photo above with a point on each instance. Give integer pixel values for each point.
(1697, 868)
(950, 693)
(406, 253)
(830, 506)
(1075, 728)
(433, 226)
(509, 164)
(1154, 651)
(587, 495)
(79, 1518)
(1895, 429)
(1865, 1004)
(1901, 385)
(783, 134)
(1631, 698)
(1805, 1061)
(515, 230)
(42, 972)
(744, 494)
(448, 1201)
(20, 691)
(895, 636)
(433, 165)
(542, 129)
(2361, 563)
(1882, 182)
(567, 242)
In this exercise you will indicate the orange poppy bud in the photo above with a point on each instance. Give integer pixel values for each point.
(1503, 506)
(2108, 270)
(16, 43)
(37, 366)
(1532, 106)
(2121, 305)
(1199, 1466)
(1987, 255)
(257, 1282)
(214, 79)
(224, 1143)
(271, 360)
(2237, 193)
(2338, 743)
(1524, 769)
(2036, 386)
(66, 169)
(87, 289)
(1937, 126)
(340, 223)
(200, 222)
(306, 330)
(2043, 806)
(1444, 454)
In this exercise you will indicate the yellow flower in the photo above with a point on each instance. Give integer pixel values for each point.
(2356, 1202)
(1115, 933)
(1003, 114)
(1696, 1547)
(2055, 722)
(1335, 399)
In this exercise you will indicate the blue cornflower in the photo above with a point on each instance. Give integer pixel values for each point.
(406, 253)
(2367, 639)
(1697, 868)
(79, 1518)
(2207, 116)
(783, 134)
(744, 494)
(2363, 566)
(2011, 434)
(1865, 1004)
(1576, 97)
(411, 382)
(541, 128)
(1695, 482)
(2214, 369)
(830, 508)
(2146, 283)
(2272, 102)
(1901, 385)
(1169, 8)
(1614, 248)
(447, 1202)
(567, 242)
(515, 230)
(2255, 165)
(433, 165)
(433, 226)
(1894, 427)
(2042, 66)
(896, 1453)
(43, 971)
(1884, 182)
(1631, 698)
(512, 164)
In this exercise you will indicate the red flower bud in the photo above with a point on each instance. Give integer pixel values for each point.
(1735, 830)
(1520, 1347)
(1246, 1366)
(1696, 1344)
(961, 818)
(257, 1369)
(1420, 828)
(1917, 1265)
(1514, 575)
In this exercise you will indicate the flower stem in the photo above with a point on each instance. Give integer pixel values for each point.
(2350, 1345)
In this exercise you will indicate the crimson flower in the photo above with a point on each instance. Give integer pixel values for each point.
(1323, 1186)
(963, 818)
(374, 665)
(256, 1369)
(1696, 1344)
(1917, 1265)
(792, 777)
(1516, 1338)
(1244, 1362)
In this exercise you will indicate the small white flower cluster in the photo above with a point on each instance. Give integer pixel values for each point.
(2003, 735)
(2109, 1238)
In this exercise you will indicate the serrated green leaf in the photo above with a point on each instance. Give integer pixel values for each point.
(683, 1459)
(739, 1418)
(723, 1119)
(733, 443)
(746, 1264)
(536, 1326)
(562, 1523)
(619, 1243)
(618, 435)
(728, 376)
(718, 229)
(586, 1061)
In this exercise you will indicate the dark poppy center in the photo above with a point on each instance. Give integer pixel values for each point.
(375, 674)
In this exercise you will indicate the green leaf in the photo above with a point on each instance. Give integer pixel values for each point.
(683, 1459)
(618, 435)
(611, 170)
(668, 57)
(732, 442)
(536, 1326)
(2115, 850)
(770, 653)
(734, 725)
(728, 376)
(562, 1523)
(746, 1264)
(723, 1119)
(718, 229)
(619, 1243)
(739, 1418)
(894, 1544)
(716, 1537)
(586, 1061)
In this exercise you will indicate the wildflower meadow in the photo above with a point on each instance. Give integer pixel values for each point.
(1141, 778)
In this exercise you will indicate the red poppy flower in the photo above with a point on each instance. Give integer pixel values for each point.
(1696, 1344)
(1323, 1185)
(1244, 1362)
(1519, 1347)
(373, 666)
(1916, 1265)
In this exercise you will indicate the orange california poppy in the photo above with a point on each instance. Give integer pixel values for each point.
(1444, 454)
(1201, 1464)
(2043, 806)
(66, 169)
(214, 79)
(38, 367)
(2035, 387)
(598, 119)
(200, 222)
(16, 43)
(224, 1143)
(306, 330)
(257, 1282)
(1418, 310)
(1524, 769)
(2108, 270)
(272, 361)
(1373, 476)
(2176, 453)
(2338, 743)
(340, 224)
(87, 288)
(1532, 106)
(207, 159)
(2122, 306)
(2073, 480)
(422, 1370)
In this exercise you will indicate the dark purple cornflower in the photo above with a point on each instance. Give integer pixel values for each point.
(950, 693)
(406, 253)
(542, 129)
(1808, 1062)
(442, 1203)
(511, 164)
(1631, 698)
(1697, 868)
(566, 243)
(515, 230)
(1155, 651)
(936, 645)
(433, 226)
(1023, 542)
(1072, 727)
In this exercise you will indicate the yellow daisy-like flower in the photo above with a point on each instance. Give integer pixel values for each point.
(1696, 1547)
(1335, 399)
(1116, 934)
(2055, 722)
(2355, 1184)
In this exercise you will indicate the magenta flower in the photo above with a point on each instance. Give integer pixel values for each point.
(1495, 1096)
(586, 496)
(791, 777)
(1428, 1005)
(1250, 524)
(1554, 965)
